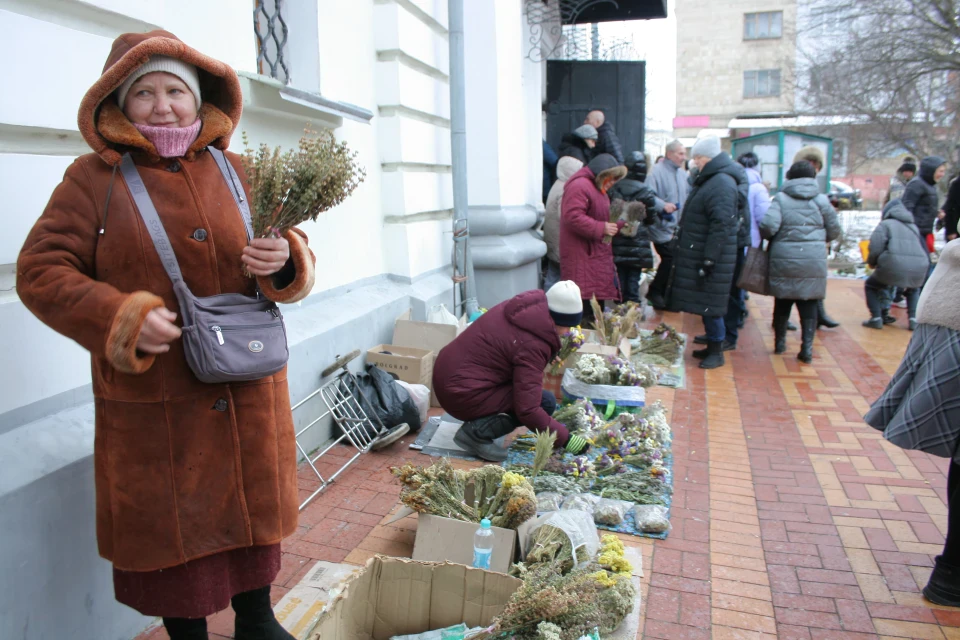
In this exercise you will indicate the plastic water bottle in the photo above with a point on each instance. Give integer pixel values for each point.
(483, 545)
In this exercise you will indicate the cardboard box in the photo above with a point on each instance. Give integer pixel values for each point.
(408, 364)
(394, 596)
(300, 608)
(444, 539)
(591, 344)
(426, 335)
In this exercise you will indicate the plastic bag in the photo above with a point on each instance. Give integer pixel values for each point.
(579, 527)
(549, 501)
(437, 634)
(421, 397)
(575, 388)
(440, 315)
(611, 512)
(580, 502)
(391, 402)
(651, 518)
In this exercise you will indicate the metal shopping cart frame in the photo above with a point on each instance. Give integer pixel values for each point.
(360, 428)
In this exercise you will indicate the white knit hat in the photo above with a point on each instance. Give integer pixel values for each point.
(186, 72)
(565, 304)
(708, 147)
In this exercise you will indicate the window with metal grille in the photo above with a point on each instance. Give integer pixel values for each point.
(761, 83)
(271, 31)
(759, 26)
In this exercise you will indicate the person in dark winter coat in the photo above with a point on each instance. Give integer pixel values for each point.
(633, 254)
(580, 144)
(799, 224)
(706, 246)
(920, 408)
(491, 375)
(584, 222)
(669, 180)
(921, 199)
(899, 257)
(951, 208)
(607, 140)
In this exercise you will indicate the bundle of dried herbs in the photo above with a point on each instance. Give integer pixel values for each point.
(579, 416)
(543, 450)
(639, 487)
(559, 484)
(552, 544)
(505, 498)
(595, 369)
(661, 346)
(570, 342)
(297, 185)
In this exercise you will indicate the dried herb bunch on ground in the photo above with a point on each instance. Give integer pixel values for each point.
(293, 186)
(595, 369)
(579, 416)
(662, 346)
(505, 498)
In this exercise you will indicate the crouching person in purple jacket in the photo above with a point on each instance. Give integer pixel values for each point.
(491, 376)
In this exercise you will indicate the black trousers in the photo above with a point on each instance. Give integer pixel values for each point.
(659, 284)
(806, 308)
(951, 548)
(497, 428)
(629, 282)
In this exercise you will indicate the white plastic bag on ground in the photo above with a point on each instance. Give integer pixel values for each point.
(579, 527)
(651, 518)
(440, 315)
(420, 394)
(611, 512)
(581, 502)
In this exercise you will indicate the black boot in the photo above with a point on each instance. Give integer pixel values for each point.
(823, 320)
(806, 341)
(186, 628)
(790, 325)
(476, 437)
(714, 357)
(780, 333)
(255, 619)
(701, 339)
(944, 585)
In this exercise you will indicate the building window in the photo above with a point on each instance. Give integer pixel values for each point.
(271, 31)
(758, 26)
(761, 84)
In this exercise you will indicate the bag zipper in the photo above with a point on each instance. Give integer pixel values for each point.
(219, 330)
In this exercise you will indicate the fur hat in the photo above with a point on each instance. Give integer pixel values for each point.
(813, 155)
(708, 147)
(565, 304)
(908, 165)
(186, 72)
(586, 132)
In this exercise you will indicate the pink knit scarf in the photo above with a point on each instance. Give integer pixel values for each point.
(171, 142)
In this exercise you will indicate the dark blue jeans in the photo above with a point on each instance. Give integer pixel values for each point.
(736, 305)
(714, 327)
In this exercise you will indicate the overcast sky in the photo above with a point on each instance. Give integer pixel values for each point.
(655, 42)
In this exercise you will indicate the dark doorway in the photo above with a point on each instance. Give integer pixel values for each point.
(616, 88)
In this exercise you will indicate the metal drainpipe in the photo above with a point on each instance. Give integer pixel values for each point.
(462, 261)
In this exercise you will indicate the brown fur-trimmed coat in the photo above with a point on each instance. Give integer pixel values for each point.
(184, 469)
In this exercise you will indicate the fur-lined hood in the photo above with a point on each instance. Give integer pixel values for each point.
(606, 166)
(108, 131)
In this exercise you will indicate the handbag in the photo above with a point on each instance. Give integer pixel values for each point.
(755, 275)
(228, 337)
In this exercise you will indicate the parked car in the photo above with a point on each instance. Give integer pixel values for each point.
(843, 196)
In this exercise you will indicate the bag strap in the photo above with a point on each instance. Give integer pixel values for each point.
(151, 218)
(231, 177)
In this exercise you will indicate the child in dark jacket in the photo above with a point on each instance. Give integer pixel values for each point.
(633, 253)
(898, 254)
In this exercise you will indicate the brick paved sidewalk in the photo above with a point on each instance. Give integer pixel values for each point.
(791, 518)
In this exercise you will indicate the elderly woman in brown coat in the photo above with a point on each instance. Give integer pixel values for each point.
(196, 483)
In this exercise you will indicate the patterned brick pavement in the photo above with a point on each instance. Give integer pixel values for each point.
(791, 518)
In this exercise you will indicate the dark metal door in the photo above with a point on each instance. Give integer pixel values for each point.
(574, 88)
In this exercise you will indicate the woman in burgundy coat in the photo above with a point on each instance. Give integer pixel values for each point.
(584, 222)
(491, 376)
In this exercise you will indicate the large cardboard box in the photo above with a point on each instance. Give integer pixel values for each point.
(445, 539)
(426, 335)
(408, 364)
(394, 596)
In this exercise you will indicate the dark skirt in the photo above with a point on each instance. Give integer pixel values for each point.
(199, 588)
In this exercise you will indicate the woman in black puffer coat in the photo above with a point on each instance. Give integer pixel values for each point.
(705, 254)
(634, 254)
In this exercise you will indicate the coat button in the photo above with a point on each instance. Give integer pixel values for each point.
(174, 166)
(200, 235)
(221, 405)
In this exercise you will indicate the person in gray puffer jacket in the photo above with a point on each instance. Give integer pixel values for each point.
(799, 224)
(898, 253)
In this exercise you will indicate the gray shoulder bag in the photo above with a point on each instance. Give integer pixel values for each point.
(228, 337)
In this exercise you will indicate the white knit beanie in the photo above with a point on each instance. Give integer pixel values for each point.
(186, 72)
(565, 304)
(708, 147)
